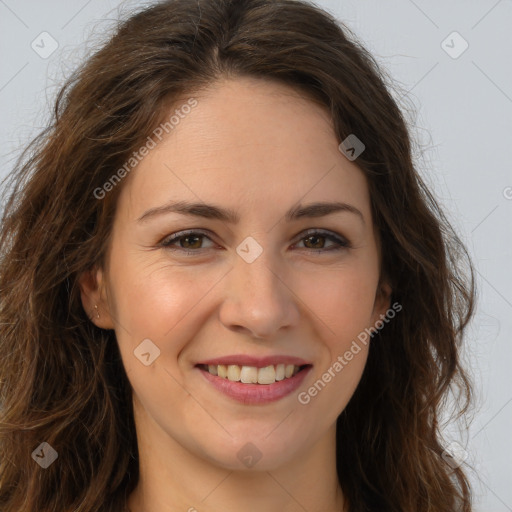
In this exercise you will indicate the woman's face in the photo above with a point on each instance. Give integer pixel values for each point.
(273, 283)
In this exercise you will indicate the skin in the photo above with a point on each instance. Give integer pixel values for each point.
(258, 148)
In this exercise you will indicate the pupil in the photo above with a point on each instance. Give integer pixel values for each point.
(317, 238)
(190, 237)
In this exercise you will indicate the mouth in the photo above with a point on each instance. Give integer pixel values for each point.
(266, 375)
(252, 385)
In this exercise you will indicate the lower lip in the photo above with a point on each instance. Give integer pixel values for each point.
(256, 393)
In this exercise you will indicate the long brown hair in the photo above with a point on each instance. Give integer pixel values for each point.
(62, 378)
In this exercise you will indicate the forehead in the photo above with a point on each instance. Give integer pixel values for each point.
(250, 142)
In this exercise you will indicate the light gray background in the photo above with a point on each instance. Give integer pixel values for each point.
(462, 121)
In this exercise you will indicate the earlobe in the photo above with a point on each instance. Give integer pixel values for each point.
(92, 291)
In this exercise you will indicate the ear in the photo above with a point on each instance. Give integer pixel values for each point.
(93, 293)
(382, 300)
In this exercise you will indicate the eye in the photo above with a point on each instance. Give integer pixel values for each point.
(191, 241)
(315, 241)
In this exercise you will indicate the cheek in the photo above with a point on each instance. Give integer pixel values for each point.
(343, 302)
(343, 299)
(160, 305)
(156, 301)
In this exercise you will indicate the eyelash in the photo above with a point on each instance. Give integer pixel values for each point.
(340, 241)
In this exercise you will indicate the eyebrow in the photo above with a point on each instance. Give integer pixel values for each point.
(210, 211)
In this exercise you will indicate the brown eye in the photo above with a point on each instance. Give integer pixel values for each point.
(191, 241)
(316, 241)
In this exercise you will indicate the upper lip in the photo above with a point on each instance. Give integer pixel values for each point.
(259, 362)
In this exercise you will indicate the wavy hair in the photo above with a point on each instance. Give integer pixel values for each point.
(62, 379)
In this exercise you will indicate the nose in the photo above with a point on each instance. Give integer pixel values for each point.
(258, 299)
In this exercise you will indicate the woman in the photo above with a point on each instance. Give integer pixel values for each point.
(224, 284)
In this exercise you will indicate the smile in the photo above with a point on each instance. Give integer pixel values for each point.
(252, 374)
(253, 385)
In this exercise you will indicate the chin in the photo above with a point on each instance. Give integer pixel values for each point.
(252, 452)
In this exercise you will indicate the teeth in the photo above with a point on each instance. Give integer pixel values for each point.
(266, 375)
(234, 372)
(249, 375)
(252, 374)
(222, 370)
